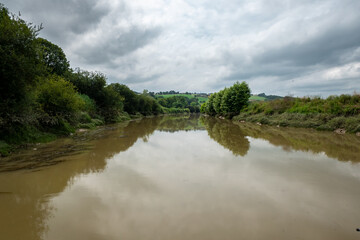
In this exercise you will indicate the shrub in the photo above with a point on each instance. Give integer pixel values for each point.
(57, 97)
(89, 105)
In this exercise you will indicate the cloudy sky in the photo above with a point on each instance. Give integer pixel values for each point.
(307, 47)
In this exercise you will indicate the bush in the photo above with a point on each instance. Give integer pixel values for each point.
(5, 149)
(89, 105)
(57, 97)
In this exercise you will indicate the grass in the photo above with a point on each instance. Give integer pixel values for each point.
(257, 98)
(201, 99)
(19, 135)
(319, 121)
(323, 114)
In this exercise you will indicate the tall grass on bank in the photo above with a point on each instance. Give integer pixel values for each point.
(312, 112)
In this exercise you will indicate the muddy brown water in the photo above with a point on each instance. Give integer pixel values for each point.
(184, 178)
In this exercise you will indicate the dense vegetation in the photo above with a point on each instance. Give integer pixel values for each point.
(179, 102)
(334, 112)
(228, 102)
(324, 114)
(42, 97)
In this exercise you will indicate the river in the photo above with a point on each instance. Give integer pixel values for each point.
(184, 177)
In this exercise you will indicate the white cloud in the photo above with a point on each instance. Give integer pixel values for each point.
(277, 47)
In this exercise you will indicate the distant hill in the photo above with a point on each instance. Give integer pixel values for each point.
(263, 97)
(202, 97)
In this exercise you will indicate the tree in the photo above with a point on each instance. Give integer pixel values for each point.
(131, 100)
(89, 83)
(112, 104)
(229, 101)
(240, 94)
(217, 101)
(19, 62)
(210, 105)
(53, 57)
(58, 97)
(235, 98)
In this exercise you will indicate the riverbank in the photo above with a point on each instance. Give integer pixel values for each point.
(319, 121)
(32, 136)
(27, 136)
(335, 113)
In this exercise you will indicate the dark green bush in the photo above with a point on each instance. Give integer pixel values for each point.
(58, 98)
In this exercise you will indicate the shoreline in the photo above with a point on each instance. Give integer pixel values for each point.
(318, 121)
(7, 149)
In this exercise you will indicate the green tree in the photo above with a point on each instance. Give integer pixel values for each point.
(53, 57)
(19, 62)
(58, 98)
(210, 105)
(131, 100)
(217, 101)
(112, 104)
(89, 83)
(235, 98)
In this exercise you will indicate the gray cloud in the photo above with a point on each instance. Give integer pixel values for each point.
(325, 49)
(117, 44)
(61, 19)
(278, 47)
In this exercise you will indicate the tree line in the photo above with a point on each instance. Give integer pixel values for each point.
(180, 102)
(42, 96)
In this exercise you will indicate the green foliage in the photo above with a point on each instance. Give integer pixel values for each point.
(89, 83)
(347, 105)
(210, 105)
(137, 103)
(148, 105)
(108, 101)
(203, 107)
(89, 123)
(20, 133)
(40, 97)
(229, 101)
(217, 101)
(89, 105)
(84, 117)
(131, 101)
(53, 57)
(175, 110)
(236, 98)
(257, 98)
(320, 121)
(5, 149)
(181, 102)
(19, 62)
(58, 98)
(111, 104)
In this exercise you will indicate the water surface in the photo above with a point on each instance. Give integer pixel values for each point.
(184, 178)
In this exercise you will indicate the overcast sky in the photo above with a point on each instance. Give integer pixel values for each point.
(306, 47)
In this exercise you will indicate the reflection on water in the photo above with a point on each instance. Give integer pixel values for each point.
(342, 147)
(166, 178)
(226, 134)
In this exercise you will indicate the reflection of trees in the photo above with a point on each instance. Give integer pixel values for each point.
(52, 167)
(23, 195)
(342, 147)
(180, 123)
(227, 134)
